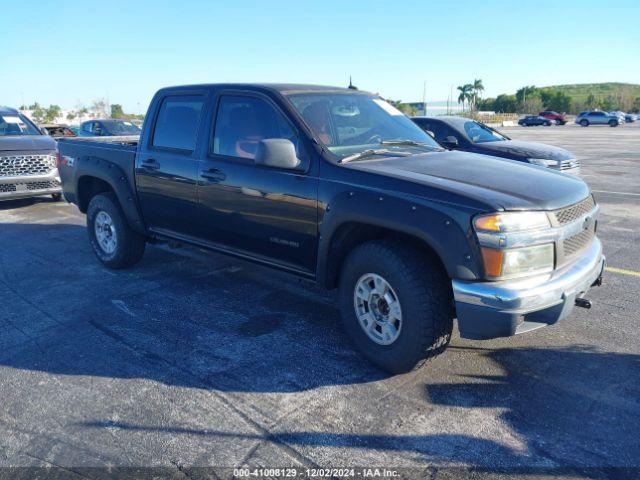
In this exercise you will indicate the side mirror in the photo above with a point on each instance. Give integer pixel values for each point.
(277, 153)
(450, 142)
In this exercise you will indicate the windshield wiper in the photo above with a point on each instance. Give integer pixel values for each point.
(371, 152)
(410, 143)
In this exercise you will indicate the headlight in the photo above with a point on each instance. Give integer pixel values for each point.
(543, 162)
(511, 221)
(518, 262)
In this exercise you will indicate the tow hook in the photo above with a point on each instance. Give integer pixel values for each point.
(583, 302)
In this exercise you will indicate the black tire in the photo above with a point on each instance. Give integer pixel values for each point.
(547, 124)
(425, 297)
(613, 123)
(129, 245)
(56, 197)
(584, 122)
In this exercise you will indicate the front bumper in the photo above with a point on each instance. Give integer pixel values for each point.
(502, 309)
(26, 186)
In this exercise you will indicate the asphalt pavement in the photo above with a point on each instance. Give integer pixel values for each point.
(192, 359)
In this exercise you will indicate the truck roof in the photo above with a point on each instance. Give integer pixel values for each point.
(283, 88)
(6, 110)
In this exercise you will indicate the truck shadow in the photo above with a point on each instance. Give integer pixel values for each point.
(573, 411)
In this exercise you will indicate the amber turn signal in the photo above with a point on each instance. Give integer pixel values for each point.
(493, 261)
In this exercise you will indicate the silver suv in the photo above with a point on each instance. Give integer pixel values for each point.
(597, 117)
(27, 158)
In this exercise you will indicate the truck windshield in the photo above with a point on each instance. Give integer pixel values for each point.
(121, 127)
(348, 123)
(16, 124)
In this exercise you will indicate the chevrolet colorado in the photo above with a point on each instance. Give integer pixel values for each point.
(337, 186)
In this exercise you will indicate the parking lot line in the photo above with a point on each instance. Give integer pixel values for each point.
(623, 271)
(617, 193)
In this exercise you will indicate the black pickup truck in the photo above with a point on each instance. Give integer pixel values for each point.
(337, 186)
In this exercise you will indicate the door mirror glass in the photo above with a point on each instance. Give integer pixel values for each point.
(450, 141)
(277, 153)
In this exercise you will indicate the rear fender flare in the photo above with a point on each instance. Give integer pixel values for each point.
(116, 178)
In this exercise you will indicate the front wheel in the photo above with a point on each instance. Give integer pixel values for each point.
(114, 242)
(584, 123)
(613, 123)
(396, 305)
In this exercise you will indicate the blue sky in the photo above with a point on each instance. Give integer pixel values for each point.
(70, 52)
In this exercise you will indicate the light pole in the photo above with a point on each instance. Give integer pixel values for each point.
(424, 97)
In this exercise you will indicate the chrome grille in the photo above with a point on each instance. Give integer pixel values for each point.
(26, 165)
(29, 186)
(569, 214)
(577, 242)
(570, 164)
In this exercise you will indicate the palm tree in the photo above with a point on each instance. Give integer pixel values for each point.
(477, 88)
(465, 93)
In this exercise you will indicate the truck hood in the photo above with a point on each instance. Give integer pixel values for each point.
(27, 143)
(522, 149)
(500, 183)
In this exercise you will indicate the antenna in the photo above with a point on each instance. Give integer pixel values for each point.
(351, 85)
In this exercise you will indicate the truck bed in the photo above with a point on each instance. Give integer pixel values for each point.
(87, 155)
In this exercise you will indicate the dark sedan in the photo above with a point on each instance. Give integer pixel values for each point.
(534, 121)
(108, 128)
(459, 133)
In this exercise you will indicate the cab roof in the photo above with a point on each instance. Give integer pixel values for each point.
(8, 110)
(282, 88)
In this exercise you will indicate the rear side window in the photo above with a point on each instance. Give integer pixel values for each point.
(242, 122)
(177, 122)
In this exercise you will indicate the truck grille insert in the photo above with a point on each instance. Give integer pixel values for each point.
(569, 214)
(32, 186)
(26, 165)
(577, 242)
(570, 164)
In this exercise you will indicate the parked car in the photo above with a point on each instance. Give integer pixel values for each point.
(339, 187)
(108, 128)
(56, 131)
(597, 117)
(621, 115)
(27, 158)
(459, 133)
(534, 121)
(558, 118)
(630, 117)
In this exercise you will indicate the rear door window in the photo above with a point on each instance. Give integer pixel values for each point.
(177, 122)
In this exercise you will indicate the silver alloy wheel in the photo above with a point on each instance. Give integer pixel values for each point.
(105, 232)
(377, 308)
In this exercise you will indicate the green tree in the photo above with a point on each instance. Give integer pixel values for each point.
(52, 113)
(505, 103)
(116, 111)
(476, 92)
(487, 104)
(404, 107)
(466, 91)
(38, 113)
(524, 92)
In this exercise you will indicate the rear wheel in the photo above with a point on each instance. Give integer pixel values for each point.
(613, 123)
(114, 242)
(396, 305)
(584, 123)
